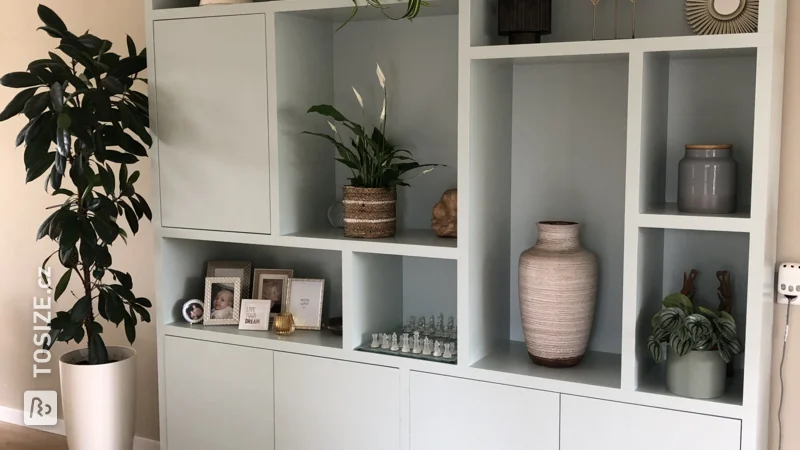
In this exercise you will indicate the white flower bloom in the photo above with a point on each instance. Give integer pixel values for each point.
(332, 127)
(381, 77)
(358, 97)
(383, 110)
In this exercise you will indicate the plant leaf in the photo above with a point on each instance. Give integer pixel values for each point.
(51, 19)
(62, 284)
(37, 104)
(20, 80)
(15, 106)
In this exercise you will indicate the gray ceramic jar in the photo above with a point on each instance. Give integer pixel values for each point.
(707, 180)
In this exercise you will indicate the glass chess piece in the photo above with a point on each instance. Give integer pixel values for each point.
(453, 350)
(421, 326)
(454, 333)
(432, 326)
(445, 332)
(408, 327)
(385, 344)
(413, 323)
(426, 347)
(416, 350)
(394, 346)
(405, 348)
(447, 354)
(451, 323)
(437, 349)
(375, 343)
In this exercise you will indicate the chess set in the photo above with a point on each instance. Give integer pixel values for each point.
(433, 340)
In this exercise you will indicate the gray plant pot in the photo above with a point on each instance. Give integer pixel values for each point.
(698, 374)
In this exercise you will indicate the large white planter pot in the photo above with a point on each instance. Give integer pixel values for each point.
(99, 401)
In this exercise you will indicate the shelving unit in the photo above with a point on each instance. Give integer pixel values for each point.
(570, 129)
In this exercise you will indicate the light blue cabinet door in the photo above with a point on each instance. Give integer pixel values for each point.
(218, 396)
(211, 96)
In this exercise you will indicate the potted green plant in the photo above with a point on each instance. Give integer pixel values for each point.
(378, 167)
(412, 10)
(81, 103)
(699, 343)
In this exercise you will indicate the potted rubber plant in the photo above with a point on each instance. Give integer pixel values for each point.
(378, 167)
(86, 126)
(699, 343)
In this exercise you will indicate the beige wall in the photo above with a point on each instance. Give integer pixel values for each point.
(789, 241)
(24, 210)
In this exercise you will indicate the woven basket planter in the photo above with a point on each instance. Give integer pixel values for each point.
(370, 213)
(557, 291)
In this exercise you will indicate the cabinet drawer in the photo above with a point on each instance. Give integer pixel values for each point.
(454, 413)
(329, 404)
(218, 396)
(589, 424)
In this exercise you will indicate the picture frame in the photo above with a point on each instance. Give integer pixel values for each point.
(254, 314)
(190, 310)
(239, 269)
(305, 302)
(262, 278)
(226, 311)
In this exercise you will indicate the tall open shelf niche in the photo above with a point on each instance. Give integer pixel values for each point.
(553, 172)
(314, 65)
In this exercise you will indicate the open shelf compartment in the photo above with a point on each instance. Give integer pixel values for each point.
(572, 21)
(183, 272)
(317, 66)
(699, 97)
(389, 289)
(548, 144)
(664, 257)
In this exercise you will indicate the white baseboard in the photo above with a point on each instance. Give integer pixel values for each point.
(15, 416)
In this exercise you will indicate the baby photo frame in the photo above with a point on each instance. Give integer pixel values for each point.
(232, 269)
(193, 311)
(273, 285)
(222, 298)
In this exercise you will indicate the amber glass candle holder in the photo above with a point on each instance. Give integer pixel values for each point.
(284, 324)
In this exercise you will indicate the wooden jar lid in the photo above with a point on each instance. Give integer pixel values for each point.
(710, 147)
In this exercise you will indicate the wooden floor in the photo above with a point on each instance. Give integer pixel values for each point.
(13, 437)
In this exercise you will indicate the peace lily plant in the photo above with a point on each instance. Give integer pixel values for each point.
(377, 167)
(373, 160)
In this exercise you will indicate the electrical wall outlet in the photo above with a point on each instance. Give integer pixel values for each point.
(788, 283)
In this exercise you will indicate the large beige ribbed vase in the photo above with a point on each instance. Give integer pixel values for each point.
(557, 291)
(99, 401)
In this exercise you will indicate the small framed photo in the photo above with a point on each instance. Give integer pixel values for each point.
(305, 303)
(254, 314)
(221, 306)
(272, 284)
(193, 311)
(228, 269)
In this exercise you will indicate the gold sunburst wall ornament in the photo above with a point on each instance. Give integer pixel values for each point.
(722, 16)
